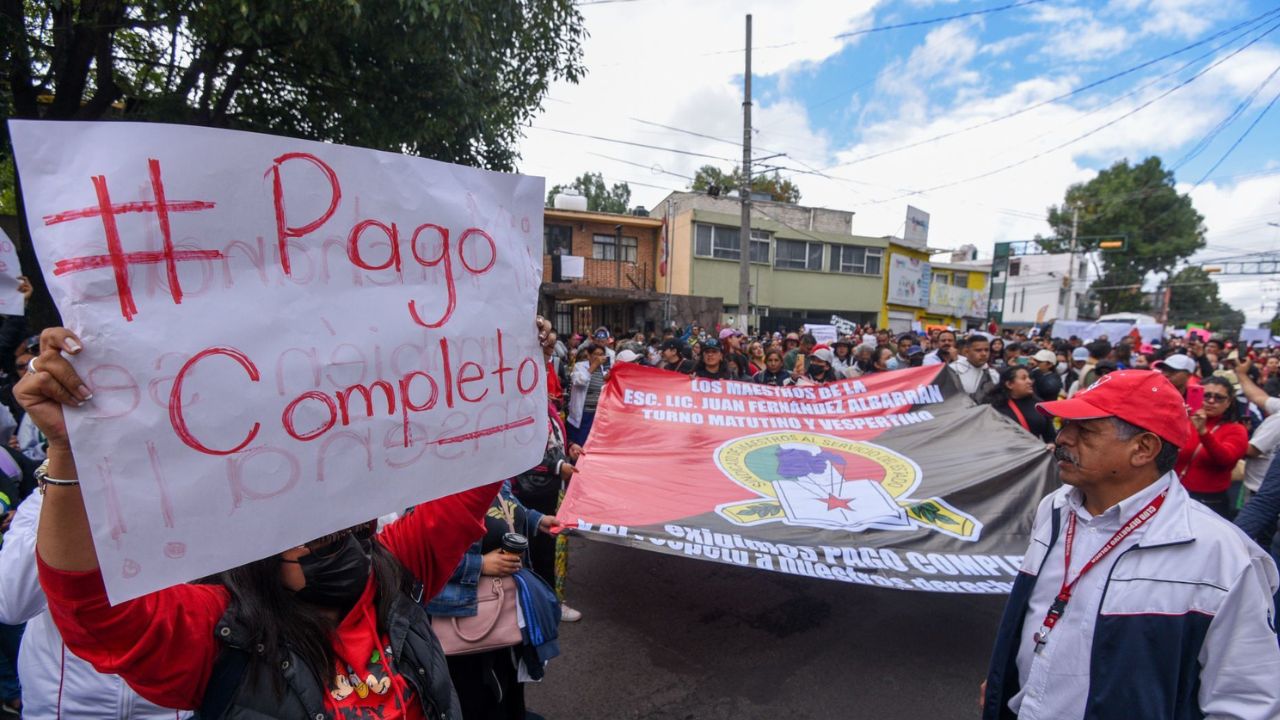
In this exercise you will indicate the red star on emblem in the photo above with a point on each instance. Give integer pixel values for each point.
(834, 502)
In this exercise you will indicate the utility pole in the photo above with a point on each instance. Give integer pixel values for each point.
(744, 262)
(1071, 267)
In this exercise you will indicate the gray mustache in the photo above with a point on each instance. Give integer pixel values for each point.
(1062, 454)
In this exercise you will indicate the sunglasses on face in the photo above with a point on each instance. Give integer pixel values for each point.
(1215, 397)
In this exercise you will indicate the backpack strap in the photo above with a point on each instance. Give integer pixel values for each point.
(227, 676)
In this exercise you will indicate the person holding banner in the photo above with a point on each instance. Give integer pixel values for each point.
(330, 628)
(1014, 397)
(711, 364)
(1133, 600)
(773, 372)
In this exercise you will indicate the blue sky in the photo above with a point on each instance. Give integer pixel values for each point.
(847, 105)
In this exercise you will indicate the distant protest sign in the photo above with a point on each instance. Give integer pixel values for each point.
(895, 480)
(11, 300)
(283, 338)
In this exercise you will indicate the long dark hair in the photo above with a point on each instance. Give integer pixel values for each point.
(998, 393)
(1233, 413)
(277, 620)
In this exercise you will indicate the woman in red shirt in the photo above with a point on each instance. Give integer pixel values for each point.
(330, 628)
(1219, 441)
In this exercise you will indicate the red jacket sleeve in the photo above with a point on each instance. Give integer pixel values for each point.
(1227, 446)
(431, 540)
(162, 644)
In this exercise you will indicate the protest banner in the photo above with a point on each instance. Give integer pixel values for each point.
(11, 300)
(1257, 336)
(823, 334)
(897, 480)
(283, 338)
(843, 326)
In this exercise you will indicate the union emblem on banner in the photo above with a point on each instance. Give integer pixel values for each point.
(821, 481)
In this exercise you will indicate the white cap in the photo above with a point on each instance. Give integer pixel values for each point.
(1177, 361)
(627, 356)
(825, 355)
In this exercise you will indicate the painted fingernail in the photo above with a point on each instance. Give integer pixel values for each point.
(72, 346)
(84, 393)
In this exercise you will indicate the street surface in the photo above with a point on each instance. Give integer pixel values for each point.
(668, 637)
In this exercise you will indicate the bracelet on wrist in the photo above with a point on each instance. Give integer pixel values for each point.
(43, 480)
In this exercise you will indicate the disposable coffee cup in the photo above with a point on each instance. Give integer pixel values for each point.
(514, 543)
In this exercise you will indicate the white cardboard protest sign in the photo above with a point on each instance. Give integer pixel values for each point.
(822, 333)
(11, 301)
(283, 338)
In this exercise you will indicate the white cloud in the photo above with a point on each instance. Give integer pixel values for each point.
(1237, 219)
(670, 78)
(1185, 18)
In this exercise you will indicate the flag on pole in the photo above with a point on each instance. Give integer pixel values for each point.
(662, 250)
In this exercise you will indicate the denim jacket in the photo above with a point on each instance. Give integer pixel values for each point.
(458, 598)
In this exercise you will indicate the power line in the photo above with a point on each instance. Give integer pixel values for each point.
(1091, 132)
(631, 143)
(655, 168)
(934, 21)
(1243, 135)
(1231, 117)
(884, 28)
(1083, 88)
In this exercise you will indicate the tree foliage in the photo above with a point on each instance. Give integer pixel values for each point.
(779, 189)
(615, 199)
(1193, 298)
(454, 80)
(1140, 202)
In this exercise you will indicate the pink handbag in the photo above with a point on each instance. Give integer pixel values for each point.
(493, 626)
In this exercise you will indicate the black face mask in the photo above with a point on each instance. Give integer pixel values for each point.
(336, 576)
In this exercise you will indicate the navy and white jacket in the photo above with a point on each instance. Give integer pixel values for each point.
(1185, 628)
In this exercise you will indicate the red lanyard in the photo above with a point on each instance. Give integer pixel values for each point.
(1064, 595)
(1018, 413)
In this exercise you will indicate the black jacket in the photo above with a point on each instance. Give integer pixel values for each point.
(241, 686)
(1036, 422)
(1046, 385)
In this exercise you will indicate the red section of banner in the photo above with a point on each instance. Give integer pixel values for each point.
(656, 432)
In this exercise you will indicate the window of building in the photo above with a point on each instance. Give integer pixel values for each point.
(856, 260)
(1015, 266)
(563, 319)
(725, 243)
(941, 278)
(960, 279)
(559, 239)
(798, 255)
(605, 247)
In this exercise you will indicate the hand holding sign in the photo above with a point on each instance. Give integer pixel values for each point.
(282, 338)
(53, 383)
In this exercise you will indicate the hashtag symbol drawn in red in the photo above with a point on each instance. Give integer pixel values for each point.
(119, 260)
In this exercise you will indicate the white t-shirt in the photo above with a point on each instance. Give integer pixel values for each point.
(1266, 438)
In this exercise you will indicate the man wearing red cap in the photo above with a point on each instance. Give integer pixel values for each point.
(1133, 599)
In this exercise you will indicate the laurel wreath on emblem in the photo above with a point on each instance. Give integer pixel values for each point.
(750, 463)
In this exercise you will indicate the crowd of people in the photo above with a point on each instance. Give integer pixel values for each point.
(410, 617)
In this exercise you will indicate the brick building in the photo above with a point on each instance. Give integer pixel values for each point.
(620, 274)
